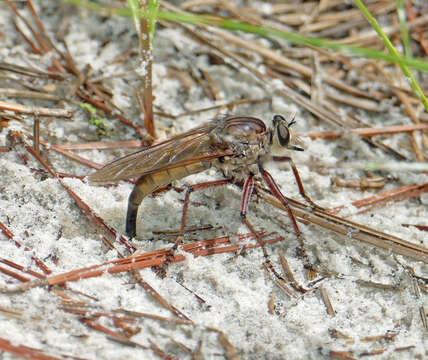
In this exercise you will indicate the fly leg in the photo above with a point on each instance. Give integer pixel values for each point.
(277, 193)
(298, 180)
(246, 194)
(179, 240)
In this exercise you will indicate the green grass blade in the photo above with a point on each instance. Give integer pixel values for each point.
(292, 37)
(403, 28)
(394, 52)
(414, 63)
(135, 13)
(152, 14)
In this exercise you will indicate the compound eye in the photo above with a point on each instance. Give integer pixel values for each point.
(283, 134)
(277, 119)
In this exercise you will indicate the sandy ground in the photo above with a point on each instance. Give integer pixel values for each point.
(236, 289)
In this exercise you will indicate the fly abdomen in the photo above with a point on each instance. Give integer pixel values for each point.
(149, 183)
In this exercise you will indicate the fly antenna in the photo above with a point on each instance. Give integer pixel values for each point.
(293, 118)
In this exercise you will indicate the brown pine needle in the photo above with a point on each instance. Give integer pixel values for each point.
(159, 318)
(366, 183)
(159, 352)
(14, 275)
(408, 195)
(59, 150)
(419, 29)
(373, 352)
(27, 71)
(388, 336)
(24, 351)
(420, 227)
(145, 260)
(22, 268)
(101, 145)
(10, 312)
(129, 331)
(354, 230)
(231, 353)
(377, 285)
(95, 314)
(78, 158)
(10, 236)
(327, 302)
(289, 274)
(28, 94)
(114, 335)
(386, 195)
(404, 348)
(342, 355)
(229, 105)
(35, 110)
(367, 132)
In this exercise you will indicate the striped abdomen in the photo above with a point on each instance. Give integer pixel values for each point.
(149, 183)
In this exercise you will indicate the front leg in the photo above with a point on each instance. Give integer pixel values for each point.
(277, 193)
(298, 180)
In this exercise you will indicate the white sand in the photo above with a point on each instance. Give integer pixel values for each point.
(236, 290)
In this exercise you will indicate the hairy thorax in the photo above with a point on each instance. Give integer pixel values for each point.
(248, 149)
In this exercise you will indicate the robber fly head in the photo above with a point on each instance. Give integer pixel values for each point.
(281, 134)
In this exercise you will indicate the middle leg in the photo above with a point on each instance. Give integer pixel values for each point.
(246, 194)
(179, 239)
(298, 180)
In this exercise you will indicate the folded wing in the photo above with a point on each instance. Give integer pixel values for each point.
(183, 149)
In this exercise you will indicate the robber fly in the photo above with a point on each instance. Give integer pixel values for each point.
(238, 146)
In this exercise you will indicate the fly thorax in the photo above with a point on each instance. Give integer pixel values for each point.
(243, 162)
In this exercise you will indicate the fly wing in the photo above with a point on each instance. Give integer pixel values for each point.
(186, 148)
